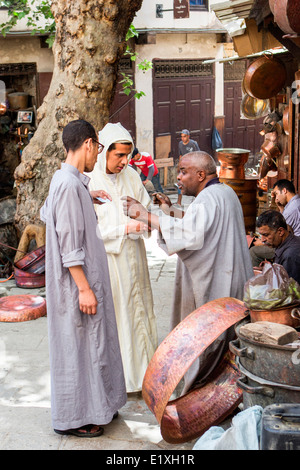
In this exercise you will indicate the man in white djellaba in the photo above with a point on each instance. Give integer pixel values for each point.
(210, 241)
(126, 253)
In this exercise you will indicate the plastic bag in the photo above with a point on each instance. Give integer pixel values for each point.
(271, 289)
(216, 141)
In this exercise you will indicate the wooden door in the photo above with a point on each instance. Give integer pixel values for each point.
(183, 100)
(239, 133)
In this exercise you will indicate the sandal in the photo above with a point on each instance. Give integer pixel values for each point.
(83, 431)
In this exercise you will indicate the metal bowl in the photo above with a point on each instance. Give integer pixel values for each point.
(29, 280)
(33, 262)
(253, 108)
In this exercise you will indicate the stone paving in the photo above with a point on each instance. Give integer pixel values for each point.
(25, 418)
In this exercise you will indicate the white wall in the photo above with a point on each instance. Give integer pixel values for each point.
(26, 49)
(146, 18)
(172, 46)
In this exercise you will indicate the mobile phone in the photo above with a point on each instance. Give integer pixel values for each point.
(101, 199)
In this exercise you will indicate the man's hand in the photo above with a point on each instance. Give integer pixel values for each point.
(161, 199)
(166, 205)
(134, 209)
(136, 228)
(87, 301)
(99, 193)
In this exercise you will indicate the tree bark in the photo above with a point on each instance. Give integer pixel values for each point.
(90, 40)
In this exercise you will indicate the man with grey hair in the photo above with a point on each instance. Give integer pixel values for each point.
(210, 241)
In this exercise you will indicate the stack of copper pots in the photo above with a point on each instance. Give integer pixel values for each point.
(232, 172)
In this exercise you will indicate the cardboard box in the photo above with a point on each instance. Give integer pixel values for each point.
(253, 41)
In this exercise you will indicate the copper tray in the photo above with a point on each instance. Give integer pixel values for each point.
(264, 77)
(192, 414)
(16, 308)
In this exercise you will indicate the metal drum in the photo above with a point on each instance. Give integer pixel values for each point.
(232, 161)
(271, 373)
(246, 192)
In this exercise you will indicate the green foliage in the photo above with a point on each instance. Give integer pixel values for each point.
(143, 65)
(36, 11)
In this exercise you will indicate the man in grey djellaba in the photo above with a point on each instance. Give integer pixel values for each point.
(87, 380)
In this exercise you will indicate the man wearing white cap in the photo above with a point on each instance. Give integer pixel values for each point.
(126, 253)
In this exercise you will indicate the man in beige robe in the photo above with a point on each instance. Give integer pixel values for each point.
(210, 241)
(126, 253)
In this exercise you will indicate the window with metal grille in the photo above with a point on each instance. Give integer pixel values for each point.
(199, 5)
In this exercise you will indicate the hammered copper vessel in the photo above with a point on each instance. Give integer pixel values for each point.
(288, 315)
(18, 308)
(192, 414)
(232, 162)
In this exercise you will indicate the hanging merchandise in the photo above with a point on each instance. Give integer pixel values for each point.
(216, 141)
(264, 77)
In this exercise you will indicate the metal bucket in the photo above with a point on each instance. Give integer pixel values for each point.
(18, 100)
(232, 162)
(271, 373)
(245, 190)
(257, 391)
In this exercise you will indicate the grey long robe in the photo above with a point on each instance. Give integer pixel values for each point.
(213, 261)
(87, 381)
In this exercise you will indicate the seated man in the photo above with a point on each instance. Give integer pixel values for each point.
(149, 171)
(288, 202)
(286, 197)
(273, 230)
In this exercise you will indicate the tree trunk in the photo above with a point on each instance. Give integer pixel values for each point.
(90, 40)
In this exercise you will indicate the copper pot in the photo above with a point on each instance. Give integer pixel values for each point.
(271, 5)
(33, 262)
(18, 100)
(287, 15)
(270, 149)
(265, 77)
(252, 107)
(26, 279)
(232, 162)
(289, 315)
(266, 165)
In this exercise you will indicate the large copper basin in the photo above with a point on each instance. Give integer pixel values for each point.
(192, 414)
(232, 162)
(288, 315)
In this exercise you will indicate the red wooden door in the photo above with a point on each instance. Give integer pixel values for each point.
(239, 133)
(184, 103)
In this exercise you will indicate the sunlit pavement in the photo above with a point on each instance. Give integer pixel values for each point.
(25, 418)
